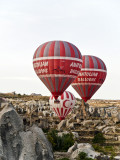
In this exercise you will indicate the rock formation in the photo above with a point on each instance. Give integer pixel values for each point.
(82, 147)
(17, 144)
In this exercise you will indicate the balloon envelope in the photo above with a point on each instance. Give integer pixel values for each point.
(57, 64)
(67, 102)
(91, 77)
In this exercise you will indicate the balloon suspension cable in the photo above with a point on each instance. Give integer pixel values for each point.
(56, 101)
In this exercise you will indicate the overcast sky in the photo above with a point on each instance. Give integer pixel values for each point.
(92, 25)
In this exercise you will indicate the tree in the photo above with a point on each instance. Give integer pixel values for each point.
(99, 138)
(60, 143)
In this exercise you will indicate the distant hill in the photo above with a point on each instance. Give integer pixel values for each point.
(25, 97)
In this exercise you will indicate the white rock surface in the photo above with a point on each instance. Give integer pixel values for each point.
(75, 134)
(73, 148)
(83, 147)
(60, 134)
(117, 158)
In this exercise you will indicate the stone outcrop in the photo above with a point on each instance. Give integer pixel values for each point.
(17, 144)
(62, 125)
(82, 147)
(35, 145)
(10, 126)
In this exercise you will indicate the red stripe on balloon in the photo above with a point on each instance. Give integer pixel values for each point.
(51, 49)
(65, 112)
(62, 96)
(79, 53)
(61, 111)
(98, 62)
(55, 110)
(62, 49)
(52, 97)
(96, 87)
(45, 83)
(83, 64)
(89, 88)
(91, 64)
(67, 95)
(58, 112)
(42, 50)
(104, 65)
(72, 97)
(59, 84)
(69, 111)
(71, 50)
(65, 86)
(46, 78)
(83, 86)
(53, 82)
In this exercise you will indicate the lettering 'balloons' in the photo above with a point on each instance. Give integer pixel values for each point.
(91, 77)
(67, 102)
(57, 64)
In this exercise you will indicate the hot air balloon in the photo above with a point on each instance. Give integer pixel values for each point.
(57, 64)
(67, 102)
(90, 78)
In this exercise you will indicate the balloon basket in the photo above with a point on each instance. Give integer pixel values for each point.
(56, 101)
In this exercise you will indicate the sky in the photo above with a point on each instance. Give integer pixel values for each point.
(92, 25)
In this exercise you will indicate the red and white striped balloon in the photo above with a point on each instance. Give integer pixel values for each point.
(67, 102)
(91, 77)
(57, 64)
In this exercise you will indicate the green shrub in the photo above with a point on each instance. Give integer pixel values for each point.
(45, 130)
(98, 148)
(105, 149)
(67, 141)
(83, 156)
(110, 150)
(52, 137)
(99, 138)
(60, 143)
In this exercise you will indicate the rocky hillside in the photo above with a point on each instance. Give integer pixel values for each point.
(85, 121)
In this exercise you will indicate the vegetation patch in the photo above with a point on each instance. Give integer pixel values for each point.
(99, 138)
(107, 150)
(60, 143)
(83, 156)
